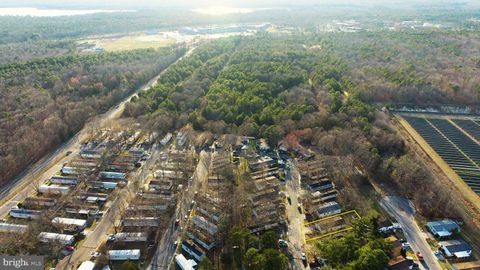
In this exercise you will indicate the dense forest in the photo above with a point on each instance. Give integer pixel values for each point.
(312, 89)
(417, 68)
(27, 51)
(43, 102)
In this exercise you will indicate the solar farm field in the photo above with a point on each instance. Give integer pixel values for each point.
(456, 141)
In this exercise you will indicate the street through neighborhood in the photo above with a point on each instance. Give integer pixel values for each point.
(403, 211)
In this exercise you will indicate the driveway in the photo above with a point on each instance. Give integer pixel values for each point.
(403, 211)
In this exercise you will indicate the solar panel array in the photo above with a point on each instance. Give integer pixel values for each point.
(458, 150)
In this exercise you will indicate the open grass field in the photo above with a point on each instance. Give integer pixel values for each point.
(131, 42)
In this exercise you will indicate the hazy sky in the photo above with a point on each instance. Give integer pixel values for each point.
(138, 4)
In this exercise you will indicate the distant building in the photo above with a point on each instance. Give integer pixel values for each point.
(443, 228)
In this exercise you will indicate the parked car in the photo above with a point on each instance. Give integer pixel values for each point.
(406, 245)
(419, 256)
(69, 248)
(304, 259)
(282, 243)
(414, 266)
(94, 255)
(111, 238)
(289, 200)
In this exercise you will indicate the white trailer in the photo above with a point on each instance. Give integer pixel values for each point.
(62, 180)
(54, 189)
(113, 175)
(24, 213)
(48, 237)
(70, 222)
(124, 254)
(129, 237)
(13, 228)
(183, 263)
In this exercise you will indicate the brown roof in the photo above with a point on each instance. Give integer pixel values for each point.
(467, 265)
(398, 263)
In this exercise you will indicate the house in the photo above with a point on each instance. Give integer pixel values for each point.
(140, 222)
(322, 185)
(113, 175)
(24, 213)
(12, 228)
(39, 202)
(397, 261)
(443, 228)
(204, 224)
(328, 209)
(71, 224)
(183, 263)
(191, 249)
(456, 249)
(47, 237)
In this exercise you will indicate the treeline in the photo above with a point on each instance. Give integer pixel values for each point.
(25, 28)
(424, 67)
(27, 51)
(44, 102)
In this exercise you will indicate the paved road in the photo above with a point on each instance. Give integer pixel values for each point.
(403, 211)
(24, 185)
(165, 252)
(295, 218)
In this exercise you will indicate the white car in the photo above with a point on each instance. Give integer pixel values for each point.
(406, 245)
(95, 254)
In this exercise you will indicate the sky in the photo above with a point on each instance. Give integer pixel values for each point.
(139, 4)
